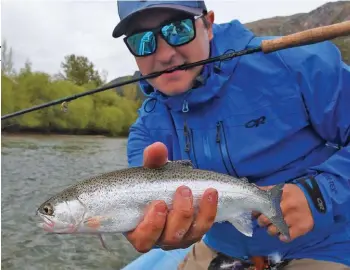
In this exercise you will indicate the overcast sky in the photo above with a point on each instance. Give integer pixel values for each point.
(47, 30)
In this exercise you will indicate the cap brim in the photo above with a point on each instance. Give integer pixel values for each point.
(119, 30)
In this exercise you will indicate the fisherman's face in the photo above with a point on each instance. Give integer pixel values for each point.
(167, 56)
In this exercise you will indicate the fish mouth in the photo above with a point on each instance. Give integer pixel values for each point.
(48, 225)
(51, 227)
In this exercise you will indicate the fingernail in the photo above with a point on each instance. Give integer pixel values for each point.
(212, 196)
(284, 238)
(160, 209)
(186, 192)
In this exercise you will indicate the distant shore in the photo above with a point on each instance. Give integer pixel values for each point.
(65, 133)
(54, 135)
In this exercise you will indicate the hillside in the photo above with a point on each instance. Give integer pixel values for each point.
(326, 14)
(330, 13)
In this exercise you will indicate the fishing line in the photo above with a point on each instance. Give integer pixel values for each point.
(305, 37)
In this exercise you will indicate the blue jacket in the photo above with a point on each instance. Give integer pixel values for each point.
(272, 118)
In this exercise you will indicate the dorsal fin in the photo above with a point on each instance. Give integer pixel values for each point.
(244, 179)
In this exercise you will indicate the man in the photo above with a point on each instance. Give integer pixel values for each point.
(279, 117)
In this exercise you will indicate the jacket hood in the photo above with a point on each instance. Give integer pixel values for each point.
(231, 36)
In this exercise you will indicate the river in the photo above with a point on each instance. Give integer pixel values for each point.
(33, 169)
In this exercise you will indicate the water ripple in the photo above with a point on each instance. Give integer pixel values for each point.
(35, 168)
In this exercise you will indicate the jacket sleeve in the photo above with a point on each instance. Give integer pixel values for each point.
(324, 81)
(138, 140)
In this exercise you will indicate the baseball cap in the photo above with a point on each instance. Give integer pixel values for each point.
(128, 8)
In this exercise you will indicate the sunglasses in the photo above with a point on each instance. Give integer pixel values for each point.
(175, 33)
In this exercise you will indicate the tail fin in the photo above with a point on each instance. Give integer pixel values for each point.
(276, 217)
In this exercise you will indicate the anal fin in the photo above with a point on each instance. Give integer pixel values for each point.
(243, 223)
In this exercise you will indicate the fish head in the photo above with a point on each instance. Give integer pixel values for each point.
(61, 216)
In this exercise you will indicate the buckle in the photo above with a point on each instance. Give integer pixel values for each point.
(224, 262)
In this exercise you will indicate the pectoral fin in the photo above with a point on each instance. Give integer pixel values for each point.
(102, 242)
(98, 223)
(243, 223)
(94, 222)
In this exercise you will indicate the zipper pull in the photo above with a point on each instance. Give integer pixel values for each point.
(185, 106)
(218, 132)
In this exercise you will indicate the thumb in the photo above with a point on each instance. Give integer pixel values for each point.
(155, 155)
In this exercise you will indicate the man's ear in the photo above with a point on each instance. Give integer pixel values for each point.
(210, 16)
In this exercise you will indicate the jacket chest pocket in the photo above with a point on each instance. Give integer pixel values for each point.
(251, 143)
(206, 148)
(265, 139)
(222, 146)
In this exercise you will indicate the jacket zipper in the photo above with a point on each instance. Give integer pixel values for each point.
(188, 134)
(194, 152)
(223, 148)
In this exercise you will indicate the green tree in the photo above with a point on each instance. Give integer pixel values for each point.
(80, 70)
(107, 112)
(6, 60)
(7, 98)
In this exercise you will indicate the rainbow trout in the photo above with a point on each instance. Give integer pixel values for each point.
(114, 202)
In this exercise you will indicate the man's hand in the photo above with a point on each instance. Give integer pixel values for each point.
(296, 213)
(177, 228)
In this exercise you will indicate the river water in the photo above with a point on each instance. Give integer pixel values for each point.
(33, 169)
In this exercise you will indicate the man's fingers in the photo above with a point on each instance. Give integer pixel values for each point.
(155, 155)
(296, 230)
(263, 221)
(293, 233)
(205, 216)
(146, 234)
(180, 217)
(272, 230)
(255, 214)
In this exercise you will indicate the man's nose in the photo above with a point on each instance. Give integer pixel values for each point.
(165, 52)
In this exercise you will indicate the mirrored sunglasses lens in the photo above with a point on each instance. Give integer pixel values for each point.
(178, 33)
(142, 43)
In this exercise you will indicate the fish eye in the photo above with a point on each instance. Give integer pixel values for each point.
(48, 209)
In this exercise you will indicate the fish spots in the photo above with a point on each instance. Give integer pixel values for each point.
(108, 198)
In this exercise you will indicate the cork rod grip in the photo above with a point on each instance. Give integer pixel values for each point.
(306, 37)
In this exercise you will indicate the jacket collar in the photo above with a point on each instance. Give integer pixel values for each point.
(227, 37)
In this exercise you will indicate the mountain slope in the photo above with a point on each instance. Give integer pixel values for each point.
(329, 13)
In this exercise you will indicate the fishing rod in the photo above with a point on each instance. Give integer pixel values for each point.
(305, 37)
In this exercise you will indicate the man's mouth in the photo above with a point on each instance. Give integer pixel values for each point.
(171, 69)
(172, 74)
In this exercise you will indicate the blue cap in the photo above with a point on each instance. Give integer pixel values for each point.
(126, 9)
